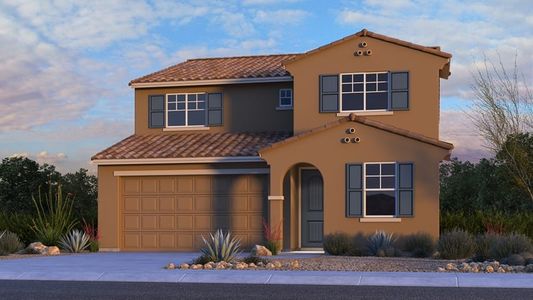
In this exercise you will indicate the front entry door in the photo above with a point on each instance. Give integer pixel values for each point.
(312, 192)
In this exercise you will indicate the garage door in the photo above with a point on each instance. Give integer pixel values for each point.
(173, 212)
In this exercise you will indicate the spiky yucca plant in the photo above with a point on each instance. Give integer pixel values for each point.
(381, 244)
(9, 243)
(75, 242)
(54, 216)
(221, 247)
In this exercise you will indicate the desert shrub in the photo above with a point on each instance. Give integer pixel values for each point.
(484, 243)
(19, 224)
(515, 260)
(510, 244)
(381, 244)
(272, 237)
(480, 222)
(75, 241)
(419, 244)
(221, 247)
(338, 243)
(201, 260)
(90, 230)
(9, 243)
(255, 259)
(456, 244)
(54, 216)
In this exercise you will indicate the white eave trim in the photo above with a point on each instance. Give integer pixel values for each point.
(186, 160)
(211, 82)
(191, 172)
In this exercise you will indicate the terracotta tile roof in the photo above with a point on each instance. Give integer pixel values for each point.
(428, 49)
(372, 123)
(258, 66)
(183, 145)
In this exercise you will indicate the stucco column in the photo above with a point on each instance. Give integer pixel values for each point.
(275, 201)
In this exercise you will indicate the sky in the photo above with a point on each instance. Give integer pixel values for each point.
(65, 65)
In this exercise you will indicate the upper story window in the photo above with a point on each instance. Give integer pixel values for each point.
(364, 91)
(186, 109)
(285, 98)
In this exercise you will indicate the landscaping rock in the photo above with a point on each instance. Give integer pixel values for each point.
(170, 266)
(277, 264)
(36, 248)
(208, 266)
(489, 269)
(252, 265)
(197, 267)
(529, 268)
(516, 260)
(52, 250)
(259, 250)
(294, 264)
(184, 266)
(441, 269)
(270, 266)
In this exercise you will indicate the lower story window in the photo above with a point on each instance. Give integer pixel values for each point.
(186, 109)
(380, 189)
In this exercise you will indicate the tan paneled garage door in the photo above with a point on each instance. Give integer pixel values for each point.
(173, 212)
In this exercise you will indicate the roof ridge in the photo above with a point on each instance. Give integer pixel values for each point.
(243, 56)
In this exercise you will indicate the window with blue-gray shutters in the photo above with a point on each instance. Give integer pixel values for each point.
(368, 91)
(379, 189)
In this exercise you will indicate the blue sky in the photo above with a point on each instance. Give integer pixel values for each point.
(65, 66)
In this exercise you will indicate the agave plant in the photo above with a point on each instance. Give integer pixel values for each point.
(221, 247)
(381, 244)
(9, 243)
(75, 242)
(54, 216)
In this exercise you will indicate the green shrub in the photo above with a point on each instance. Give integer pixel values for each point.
(480, 222)
(19, 224)
(381, 244)
(221, 247)
(9, 243)
(510, 244)
(54, 216)
(484, 244)
(419, 244)
(93, 246)
(273, 247)
(456, 244)
(75, 241)
(515, 260)
(201, 260)
(255, 259)
(338, 243)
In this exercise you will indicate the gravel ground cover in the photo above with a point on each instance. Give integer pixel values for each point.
(370, 264)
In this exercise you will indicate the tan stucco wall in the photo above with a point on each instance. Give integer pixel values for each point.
(247, 107)
(108, 194)
(423, 115)
(325, 151)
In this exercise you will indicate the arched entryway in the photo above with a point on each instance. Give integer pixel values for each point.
(303, 207)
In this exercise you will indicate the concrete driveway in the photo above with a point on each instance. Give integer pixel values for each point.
(148, 267)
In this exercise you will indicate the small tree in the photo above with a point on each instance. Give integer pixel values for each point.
(502, 110)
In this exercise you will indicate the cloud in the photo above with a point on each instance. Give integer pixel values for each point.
(469, 30)
(281, 16)
(457, 128)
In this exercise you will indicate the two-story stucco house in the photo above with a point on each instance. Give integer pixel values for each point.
(343, 138)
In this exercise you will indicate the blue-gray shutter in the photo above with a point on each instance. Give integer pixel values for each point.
(354, 190)
(329, 93)
(399, 91)
(405, 189)
(215, 102)
(156, 111)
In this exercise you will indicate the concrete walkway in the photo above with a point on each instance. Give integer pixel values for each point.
(147, 267)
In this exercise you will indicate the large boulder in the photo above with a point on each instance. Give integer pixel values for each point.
(42, 249)
(36, 248)
(52, 250)
(259, 250)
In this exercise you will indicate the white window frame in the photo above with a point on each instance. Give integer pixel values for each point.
(186, 110)
(291, 98)
(364, 92)
(395, 189)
